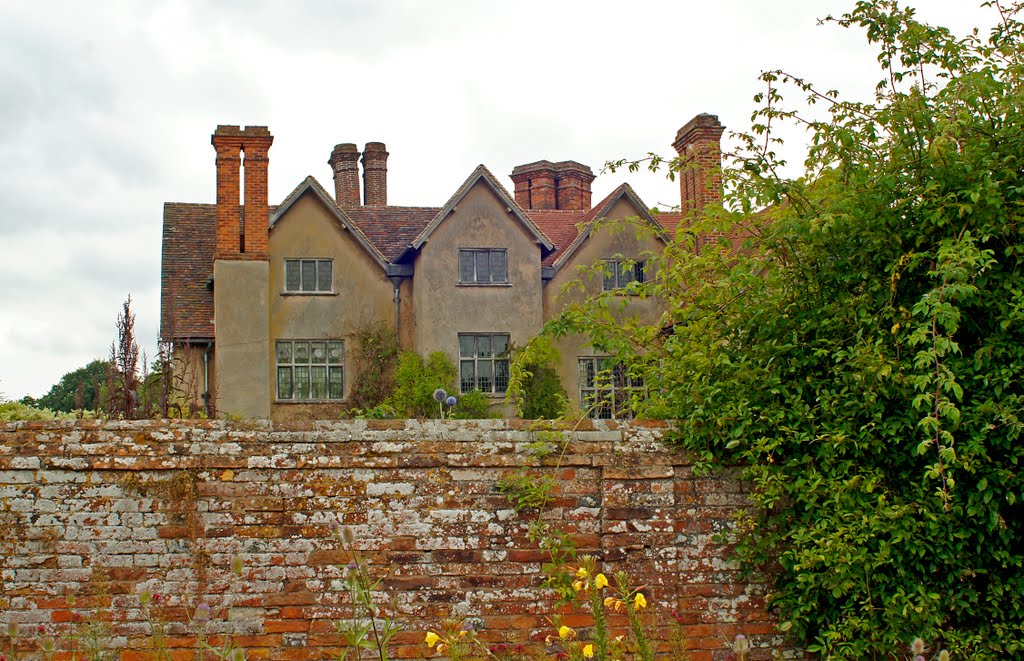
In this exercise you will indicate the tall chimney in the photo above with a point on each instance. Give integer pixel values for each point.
(375, 175)
(572, 185)
(535, 185)
(256, 141)
(344, 161)
(237, 235)
(227, 140)
(698, 144)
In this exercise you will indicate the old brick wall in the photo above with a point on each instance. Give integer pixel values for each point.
(102, 510)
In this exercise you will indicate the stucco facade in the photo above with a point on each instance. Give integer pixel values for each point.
(275, 306)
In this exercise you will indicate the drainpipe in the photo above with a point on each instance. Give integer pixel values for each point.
(396, 283)
(206, 379)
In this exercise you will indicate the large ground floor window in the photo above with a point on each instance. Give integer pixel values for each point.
(483, 362)
(310, 370)
(606, 388)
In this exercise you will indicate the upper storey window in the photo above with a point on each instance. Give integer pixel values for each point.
(619, 273)
(309, 275)
(483, 266)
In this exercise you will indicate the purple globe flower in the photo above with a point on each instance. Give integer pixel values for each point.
(450, 402)
(439, 395)
(203, 612)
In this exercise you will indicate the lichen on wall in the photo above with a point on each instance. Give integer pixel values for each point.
(104, 510)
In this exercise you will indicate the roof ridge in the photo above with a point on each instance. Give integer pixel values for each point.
(391, 208)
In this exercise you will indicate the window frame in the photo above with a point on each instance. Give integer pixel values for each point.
(619, 388)
(333, 372)
(477, 253)
(615, 278)
(318, 264)
(496, 363)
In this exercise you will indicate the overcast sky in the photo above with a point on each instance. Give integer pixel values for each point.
(106, 111)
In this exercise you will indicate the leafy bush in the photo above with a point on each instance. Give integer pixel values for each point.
(416, 380)
(472, 405)
(857, 346)
(10, 411)
(376, 357)
(534, 387)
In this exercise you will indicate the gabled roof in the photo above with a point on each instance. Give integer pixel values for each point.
(481, 173)
(585, 225)
(186, 300)
(311, 185)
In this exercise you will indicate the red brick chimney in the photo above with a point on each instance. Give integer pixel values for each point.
(698, 144)
(344, 161)
(535, 185)
(547, 185)
(375, 175)
(256, 226)
(242, 230)
(572, 185)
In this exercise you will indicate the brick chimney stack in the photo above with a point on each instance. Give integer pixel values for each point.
(256, 225)
(238, 235)
(375, 175)
(572, 185)
(699, 145)
(344, 161)
(547, 185)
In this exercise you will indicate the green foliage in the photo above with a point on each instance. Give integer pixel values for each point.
(472, 405)
(78, 389)
(376, 357)
(526, 489)
(369, 628)
(861, 357)
(10, 411)
(534, 387)
(415, 383)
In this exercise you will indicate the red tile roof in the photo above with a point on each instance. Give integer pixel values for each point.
(391, 229)
(670, 221)
(189, 241)
(186, 300)
(561, 228)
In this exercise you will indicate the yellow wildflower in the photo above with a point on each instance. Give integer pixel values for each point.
(613, 603)
(600, 581)
(588, 652)
(581, 572)
(565, 632)
(578, 585)
(432, 638)
(639, 601)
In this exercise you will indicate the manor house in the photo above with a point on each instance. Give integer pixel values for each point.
(262, 303)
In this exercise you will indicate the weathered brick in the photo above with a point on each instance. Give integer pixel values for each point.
(419, 497)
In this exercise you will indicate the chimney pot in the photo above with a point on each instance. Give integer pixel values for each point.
(375, 174)
(344, 162)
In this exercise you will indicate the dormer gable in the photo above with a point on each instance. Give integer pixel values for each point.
(481, 176)
(310, 186)
(624, 193)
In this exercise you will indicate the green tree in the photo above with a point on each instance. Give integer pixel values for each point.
(77, 389)
(861, 359)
